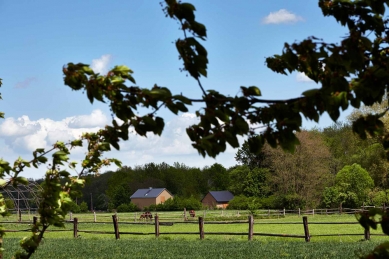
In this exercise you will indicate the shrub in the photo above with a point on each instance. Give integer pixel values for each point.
(291, 201)
(330, 197)
(239, 202)
(378, 197)
(83, 207)
(123, 208)
(9, 204)
(74, 207)
(176, 203)
(271, 202)
(242, 202)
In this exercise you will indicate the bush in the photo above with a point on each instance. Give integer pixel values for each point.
(122, 208)
(127, 207)
(242, 202)
(291, 201)
(83, 207)
(239, 202)
(9, 204)
(74, 208)
(330, 197)
(378, 197)
(271, 202)
(176, 204)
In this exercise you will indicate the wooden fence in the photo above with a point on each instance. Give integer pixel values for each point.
(21, 215)
(202, 229)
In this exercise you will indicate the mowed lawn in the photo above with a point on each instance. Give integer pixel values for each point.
(145, 245)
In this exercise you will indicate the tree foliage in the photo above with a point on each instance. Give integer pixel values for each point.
(304, 173)
(354, 184)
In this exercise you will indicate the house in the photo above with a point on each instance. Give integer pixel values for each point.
(218, 199)
(151, 196)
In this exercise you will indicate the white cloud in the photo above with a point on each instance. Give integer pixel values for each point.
(173, 145)
(96, 119)
(100, 65)
(19, 127)
(281, 16)
(25, 83)
(23, 135)
(301, 77)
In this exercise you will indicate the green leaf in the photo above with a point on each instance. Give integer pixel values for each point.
(2, 182)
(77, 142)
(42, 159)
(253, 90)
(87, 70)
(310, 93)
(21, 180)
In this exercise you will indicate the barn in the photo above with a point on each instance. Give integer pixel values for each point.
(218, 199)
(151, 196)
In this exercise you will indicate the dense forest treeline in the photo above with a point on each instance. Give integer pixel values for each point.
(330, 167)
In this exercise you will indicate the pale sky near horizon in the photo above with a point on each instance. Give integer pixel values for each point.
(40, 37)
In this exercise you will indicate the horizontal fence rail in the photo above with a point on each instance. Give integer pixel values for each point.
(201, 230)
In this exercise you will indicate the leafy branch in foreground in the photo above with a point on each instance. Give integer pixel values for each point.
(59, 186)
(352, 72)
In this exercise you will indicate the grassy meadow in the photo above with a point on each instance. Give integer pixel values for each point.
(143, 244)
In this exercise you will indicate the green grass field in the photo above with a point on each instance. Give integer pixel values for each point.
(145, 245)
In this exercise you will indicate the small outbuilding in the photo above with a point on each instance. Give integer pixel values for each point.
(217, 199)
(151, 196)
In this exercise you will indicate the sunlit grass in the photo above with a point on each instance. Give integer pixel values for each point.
(146, 245)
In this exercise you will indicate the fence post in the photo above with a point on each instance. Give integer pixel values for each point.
(156, 225)
(299, 212)
(116, 226)
(201, 228)
(70, 216)
(238, 214)
(326, 211)
(75, 225)
(135, 217)
(268, 213)
(284, 212)
(34, 220)
(20, 215)
(184, 214)
(204, 213)
(340, 208)
(306, 230)
(94, 215)
(367, 234)
(35, 223)
(313, 212)
(251, 227)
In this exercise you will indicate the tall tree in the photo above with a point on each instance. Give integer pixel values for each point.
(245, 156)
(217, 177)
(347, 148)
(249, 182)
(305, 172)
(354, 184)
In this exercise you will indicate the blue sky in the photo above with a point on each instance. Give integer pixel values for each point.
(40, 37)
